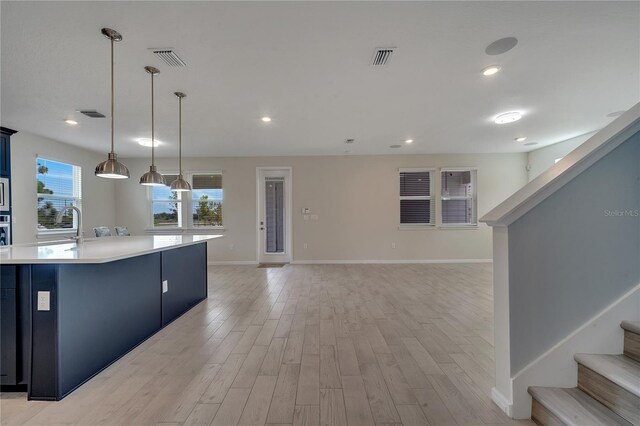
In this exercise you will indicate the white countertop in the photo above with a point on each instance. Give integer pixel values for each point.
(95, 250)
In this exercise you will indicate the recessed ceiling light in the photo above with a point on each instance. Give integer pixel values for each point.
(71, 122)
(147, 142)
(408, 141)
(266, 119)
(395, 146)
(521, 139)
(508, 117)
(491, 70)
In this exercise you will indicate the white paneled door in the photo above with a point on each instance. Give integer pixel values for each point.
(274, 214)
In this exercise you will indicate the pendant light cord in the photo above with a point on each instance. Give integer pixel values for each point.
(180, 136)
(153, 140)
(112, 95)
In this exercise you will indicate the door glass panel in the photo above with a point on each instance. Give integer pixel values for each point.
(274, 215)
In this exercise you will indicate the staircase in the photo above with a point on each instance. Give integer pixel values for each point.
(608, 391)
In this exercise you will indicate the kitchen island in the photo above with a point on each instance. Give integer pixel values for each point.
(69, 310)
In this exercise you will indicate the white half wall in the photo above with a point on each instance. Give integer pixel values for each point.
(98, 197)
(356, 199)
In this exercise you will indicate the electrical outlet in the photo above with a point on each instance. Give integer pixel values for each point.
(393, 245)
(44, 300)
(305, 245)
(165, 286)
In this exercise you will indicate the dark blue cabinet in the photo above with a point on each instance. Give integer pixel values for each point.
(184, 273)
(97, 313)
(5, 151)
(8, 326)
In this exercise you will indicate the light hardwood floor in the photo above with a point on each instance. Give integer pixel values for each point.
(320, 344)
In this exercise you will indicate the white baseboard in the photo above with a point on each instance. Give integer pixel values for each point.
(354, 262)
(556, 367)
(393, 261)
(502, 402)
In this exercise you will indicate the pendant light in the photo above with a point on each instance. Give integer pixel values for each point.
(180, 185)
(152, 177)
(112, 168)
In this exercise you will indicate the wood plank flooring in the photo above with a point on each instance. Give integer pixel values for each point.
(304, 345)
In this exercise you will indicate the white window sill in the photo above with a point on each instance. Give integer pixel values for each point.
(189, 231)
(47, 235)
(416, 227)
(429, 227)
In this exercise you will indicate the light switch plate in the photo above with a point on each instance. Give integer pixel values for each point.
(44, 300)
(165, 286)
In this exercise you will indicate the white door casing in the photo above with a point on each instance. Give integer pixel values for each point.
(263, 174)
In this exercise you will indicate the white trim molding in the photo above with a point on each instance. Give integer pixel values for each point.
(387, 261)
(503, 403)
(231, 262)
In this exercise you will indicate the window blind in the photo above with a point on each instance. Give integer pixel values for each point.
(415, 184)
(416, 203)
(207, 181)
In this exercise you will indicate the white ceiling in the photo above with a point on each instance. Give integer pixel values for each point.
(306, 64)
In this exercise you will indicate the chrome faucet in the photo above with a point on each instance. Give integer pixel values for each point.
(78, 237)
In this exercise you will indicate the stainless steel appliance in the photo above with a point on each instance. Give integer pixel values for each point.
(5, 230)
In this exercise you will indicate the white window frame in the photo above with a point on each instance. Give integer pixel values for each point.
(189, 177)
(186, 202)
(76, 198)
(430, 197)
(473, 197)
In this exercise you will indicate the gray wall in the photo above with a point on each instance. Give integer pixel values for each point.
(569, 259)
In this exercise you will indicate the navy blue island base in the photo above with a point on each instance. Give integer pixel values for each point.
(98, 313)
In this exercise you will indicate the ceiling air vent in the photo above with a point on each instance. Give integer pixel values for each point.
(382, 55)
(91, 113)
(169, 57)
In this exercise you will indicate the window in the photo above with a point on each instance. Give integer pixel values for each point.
(206, 199)
(59, 185)
(458, 197)
(200, 208)
(416, 202)
(166, 205)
